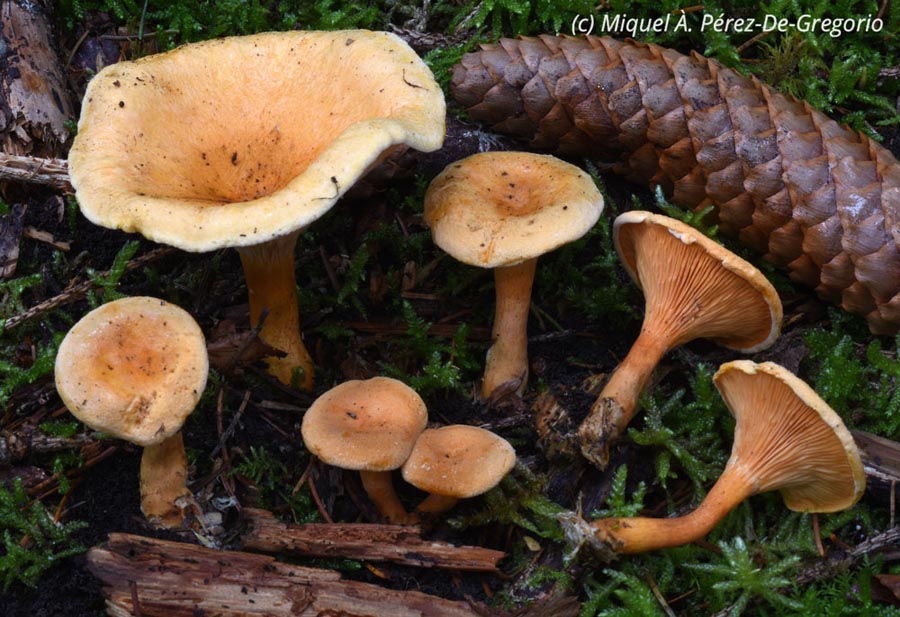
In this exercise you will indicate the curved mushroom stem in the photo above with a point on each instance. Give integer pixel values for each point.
(507, 359)
(432, 506)
(379, 485)
(617, 403)
(269, 270)
(640, 534)
(163, 475)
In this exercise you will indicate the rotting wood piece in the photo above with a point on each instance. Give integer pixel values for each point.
(18, 445)
(173, 579)
(34, 99)
(395, 543)
(33, 170)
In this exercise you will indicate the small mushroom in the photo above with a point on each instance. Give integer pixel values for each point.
(369, 426)
(244, 142)
(456, 462)
(786, 438)
(693, 288)
(502, 210)
(135, 368)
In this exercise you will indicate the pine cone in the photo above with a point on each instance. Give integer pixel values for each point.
(814, 197)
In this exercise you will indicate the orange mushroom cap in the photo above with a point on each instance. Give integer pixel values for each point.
(698, 288)
(458, 461)
(500, 208)
(134, 368)
(788, 438)
(368, 425)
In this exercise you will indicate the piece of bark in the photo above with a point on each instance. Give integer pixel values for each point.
(18, 445)
(395, 543)
(173, 579)
(34, 170)
(11, 226)
(881, 460)
(34, 99)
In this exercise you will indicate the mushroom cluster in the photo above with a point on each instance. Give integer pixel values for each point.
(377, 425)
(204, 147)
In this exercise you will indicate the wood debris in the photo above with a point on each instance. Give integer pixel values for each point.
(395, 543)
(150, 577)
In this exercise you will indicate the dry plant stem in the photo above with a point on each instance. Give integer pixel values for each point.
(163, 476)
(641, 534)
(271, 285)
(617, 403)
(379, 485)
(507, 359)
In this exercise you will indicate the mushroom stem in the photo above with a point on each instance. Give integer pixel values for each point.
(640, 534)
(434, 504)
(163, 475)
(507, 359)
(617, 403)
(379, 485)
(269, 270)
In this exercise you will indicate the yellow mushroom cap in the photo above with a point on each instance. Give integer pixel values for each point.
(134, 368)
(367, 425)
(788, 438)
(458, 461)
(235, 141)
(500, 208)
(699, 287)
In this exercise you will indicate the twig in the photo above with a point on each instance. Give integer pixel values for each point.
(318, 500)
(743, 46)
(78, 291)
(830, 566)
(659, 596)
(49, 172)
(46, 237)
(402, 544)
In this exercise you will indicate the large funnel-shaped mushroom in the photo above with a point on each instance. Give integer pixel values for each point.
(503, 210)
(786, 438)
(243, 142)
(693, 288)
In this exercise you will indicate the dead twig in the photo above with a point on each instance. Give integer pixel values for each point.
(35, 170)
(78, 291)
(393, 543)
(844, 560)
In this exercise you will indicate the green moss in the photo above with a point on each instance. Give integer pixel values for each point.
(32, 542)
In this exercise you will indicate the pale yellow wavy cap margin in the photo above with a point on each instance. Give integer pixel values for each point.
(235, 141)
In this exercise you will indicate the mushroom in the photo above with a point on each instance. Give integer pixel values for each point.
(370, 426)
(135, 368)
(243, 142)
(502, 210)
(456, 462)
(693, 288)
(786, 438)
